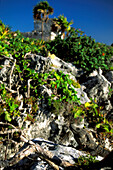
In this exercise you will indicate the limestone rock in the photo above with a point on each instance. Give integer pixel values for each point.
(109, 77)
(61, 128)
(97, 87)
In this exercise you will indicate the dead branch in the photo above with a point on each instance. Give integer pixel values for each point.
(27, 54)
(52, 164)
(9, 58)
(46, 155)
(50, 158)
(9, 140)
(9, 131)
(12, 91)
(8, 124)
(28, 92)
(10, 81)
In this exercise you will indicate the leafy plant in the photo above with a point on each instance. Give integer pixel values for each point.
(82, 51)
(9, 106)
(110, 92)
(75, 84)
(94, 116)
(61, 84)
(78, 112)
(61, 25)
(15, 44)
(85, 161)
(32, 103)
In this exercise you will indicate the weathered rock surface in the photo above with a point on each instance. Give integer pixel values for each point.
(59, 152)
(65, 153)
(109, 77)
(61, 128)
(97, 87)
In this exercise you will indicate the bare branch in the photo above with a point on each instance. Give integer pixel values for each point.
(10, 81)
(9, 131)
(28, 92)
(12, 91)
(8, 124)
(27, 54)
(49, 157)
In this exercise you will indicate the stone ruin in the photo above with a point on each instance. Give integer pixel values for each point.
(48, 34)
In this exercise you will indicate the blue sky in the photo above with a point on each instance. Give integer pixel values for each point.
(94, 17)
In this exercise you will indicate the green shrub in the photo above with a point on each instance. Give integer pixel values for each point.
(15, 44)
(9, 106)
(84, 162)
(82, 51)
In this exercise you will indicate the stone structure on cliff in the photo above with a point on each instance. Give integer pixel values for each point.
(48, 34)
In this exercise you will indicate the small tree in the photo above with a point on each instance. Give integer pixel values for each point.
(61, 25)
(41, 12)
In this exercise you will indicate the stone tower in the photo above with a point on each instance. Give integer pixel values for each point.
(48, 34)
(46, 29)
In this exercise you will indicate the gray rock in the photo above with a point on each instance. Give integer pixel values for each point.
(86, 140)
(60, 127)
(39, 63)
(97, 87)
(109, 77)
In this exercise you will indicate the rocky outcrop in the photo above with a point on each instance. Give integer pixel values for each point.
(62, 128)
(57, 157)
(97, 88)
(59, 152)
(109, 77)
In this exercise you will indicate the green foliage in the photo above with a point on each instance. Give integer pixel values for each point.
(61, 24)
(32, 102)
(59, 83)
(85, 161)
(8, 106)
(93, 113)
(57, 106)
(4, 30)
(62, 85)
(42, 10)
(75, 84)
(15, 44)
(110, 92)
(82, 51)
(78, 112)
(94, 116)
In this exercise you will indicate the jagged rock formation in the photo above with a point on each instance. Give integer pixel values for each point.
(60, 128)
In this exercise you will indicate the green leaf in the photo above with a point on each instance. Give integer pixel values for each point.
(7, 116)
(78, 113)
(98, 125)
(87, 104)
